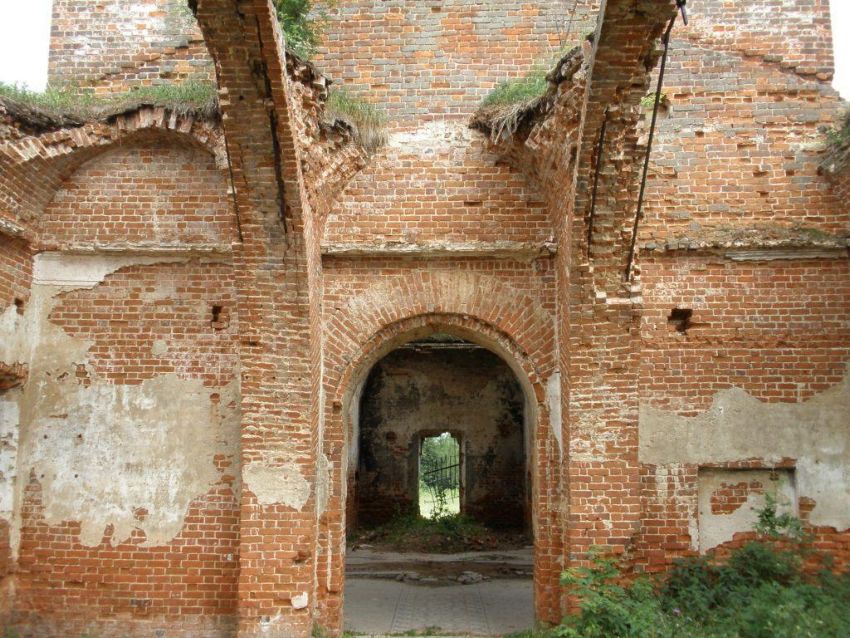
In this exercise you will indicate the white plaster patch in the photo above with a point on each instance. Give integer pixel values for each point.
(553, 397)
(719, 528)
(133, 457)
(300, 601)
(437, 136)
(738, 426)
(280, 484)
(84, 271)
(9, 420)
(159, 348)
(15, 335)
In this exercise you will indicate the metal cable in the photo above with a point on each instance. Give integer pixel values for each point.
(599, 148)
(639, 211)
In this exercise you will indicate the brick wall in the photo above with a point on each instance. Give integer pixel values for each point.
(155, 193)
(15, 271)
(120, 45)
(428, 60)
(777, 331)
(739, 147)
(782, 34)
(441, 185)
(141, 323)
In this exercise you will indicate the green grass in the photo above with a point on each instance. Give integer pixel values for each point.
(524, 89)
(447, 534)
(367, 121)
(188, 97)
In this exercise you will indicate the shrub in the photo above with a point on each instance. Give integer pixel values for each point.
(760, 591)
(303, 24)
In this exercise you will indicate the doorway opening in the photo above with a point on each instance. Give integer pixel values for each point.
(439, 476)
(439, 494)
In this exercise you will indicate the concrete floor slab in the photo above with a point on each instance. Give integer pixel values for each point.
(490, 608)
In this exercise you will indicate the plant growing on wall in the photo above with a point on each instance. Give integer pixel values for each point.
(303, 23)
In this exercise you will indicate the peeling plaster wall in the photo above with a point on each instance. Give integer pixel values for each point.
(127, 427)
(470, 392)
(103, 452)
(757, 380)
(738, 428)
(729, 500)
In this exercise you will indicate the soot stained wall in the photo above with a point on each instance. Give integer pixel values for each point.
(470, 392)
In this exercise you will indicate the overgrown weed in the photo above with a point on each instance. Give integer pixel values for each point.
(760, 591)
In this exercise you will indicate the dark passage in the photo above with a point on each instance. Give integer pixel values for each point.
(442, 387)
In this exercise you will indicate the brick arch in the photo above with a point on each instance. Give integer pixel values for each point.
(483, 297)
(475, 307)
(34, 167)
(466, 327)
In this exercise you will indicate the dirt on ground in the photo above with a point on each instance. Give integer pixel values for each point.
(447, 535)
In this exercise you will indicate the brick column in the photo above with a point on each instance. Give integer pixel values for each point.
(275, 270)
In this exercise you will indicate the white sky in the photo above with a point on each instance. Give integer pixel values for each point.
(25, 34)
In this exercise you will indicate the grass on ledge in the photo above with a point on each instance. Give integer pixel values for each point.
(505, 107)
(193, 97)
(366, 120)
(525, 89)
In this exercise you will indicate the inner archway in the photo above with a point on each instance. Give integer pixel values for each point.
(433, 386)
(443, 417)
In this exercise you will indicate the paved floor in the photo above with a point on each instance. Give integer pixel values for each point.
(377, 604)
(491, 608)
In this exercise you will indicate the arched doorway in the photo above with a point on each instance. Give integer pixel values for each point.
(432, 382)
(442, 431)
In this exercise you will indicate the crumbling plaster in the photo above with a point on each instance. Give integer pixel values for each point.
(738, 427)
(129, 457)
(717, 528)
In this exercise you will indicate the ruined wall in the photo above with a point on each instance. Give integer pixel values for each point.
(121, 44)
(791, 35)
(128, 440)
(150, 194)
(430, 60)
(15, 281)
(422, 391)
(737, 153)
(756, 380)
(438, 231)
(440, 187)
(746, 233)
(120, 451)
